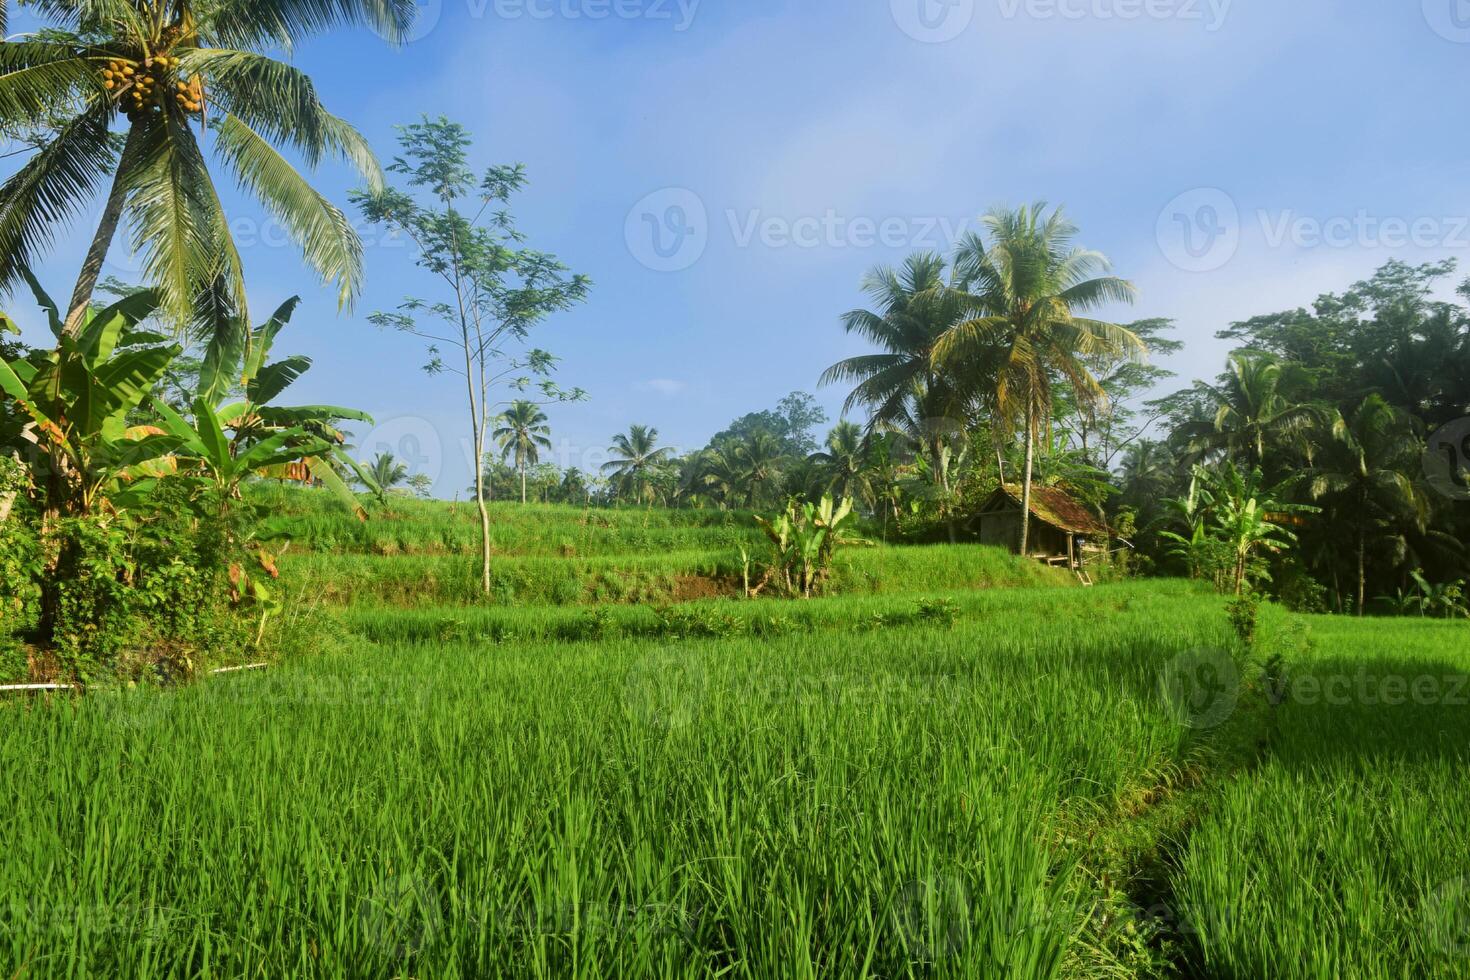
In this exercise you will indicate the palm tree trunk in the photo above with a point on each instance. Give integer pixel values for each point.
(81, 296)
(1026, 479)
(1362, 570)
(523, 484)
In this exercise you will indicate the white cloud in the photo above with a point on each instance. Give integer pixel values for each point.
(667, 387)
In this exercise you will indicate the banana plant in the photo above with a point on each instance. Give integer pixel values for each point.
(804, 539)
(76, 402)
(1249, 519)
(1192, 511)
(252, 436)
(1447, 600)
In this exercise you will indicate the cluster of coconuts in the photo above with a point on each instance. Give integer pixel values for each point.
(137, 89)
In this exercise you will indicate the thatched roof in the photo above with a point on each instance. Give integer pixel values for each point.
(1058, 508)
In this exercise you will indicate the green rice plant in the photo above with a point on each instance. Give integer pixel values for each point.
(1345, 855)
(948, 768)
(796, 805)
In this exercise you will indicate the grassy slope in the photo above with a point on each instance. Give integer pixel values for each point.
(873, 784)
(417, 553)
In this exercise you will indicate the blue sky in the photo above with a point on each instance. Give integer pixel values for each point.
(726, 172)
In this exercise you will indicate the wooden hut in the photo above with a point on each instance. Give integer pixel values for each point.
(1062, 530)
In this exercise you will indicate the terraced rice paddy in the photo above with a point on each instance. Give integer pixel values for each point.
(958, 766)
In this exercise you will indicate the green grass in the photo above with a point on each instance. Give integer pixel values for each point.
(945, 770)
(764, 807)
(1360, 862)
(418, 527)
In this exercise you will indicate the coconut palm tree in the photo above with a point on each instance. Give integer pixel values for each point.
(387, 472)
(1148, 474)
(1021, 298)
(1253, 413)
(159, 69)
(1361, 477)
(913, 310)
(523, 433)
(843, 468)
(638, 455)
(745, 470)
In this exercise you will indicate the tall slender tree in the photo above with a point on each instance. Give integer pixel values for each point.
(1361, 478)
(497, 290)
(1021, 296)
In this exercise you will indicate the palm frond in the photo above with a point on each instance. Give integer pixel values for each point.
(327, 239)
(285, 22)
(38, 76)
(280, 103)
(178, 228)
(51, 188)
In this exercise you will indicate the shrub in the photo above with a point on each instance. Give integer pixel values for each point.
(941, 612)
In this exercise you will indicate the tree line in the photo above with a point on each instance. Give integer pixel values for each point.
(1328, 465)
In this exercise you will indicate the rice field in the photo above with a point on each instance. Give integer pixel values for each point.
(956, 766)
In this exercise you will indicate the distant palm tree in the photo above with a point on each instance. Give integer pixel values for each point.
(1252, 412)
(1021, 296)
(1361, 477)
(913, 310)
(1147, 475)
(844, 467)
(744, 470)
(638, 456)
(387, 472)
(159, 66)
(574, 488)
(522, 433)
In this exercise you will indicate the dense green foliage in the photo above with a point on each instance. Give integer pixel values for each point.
(127, 552)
